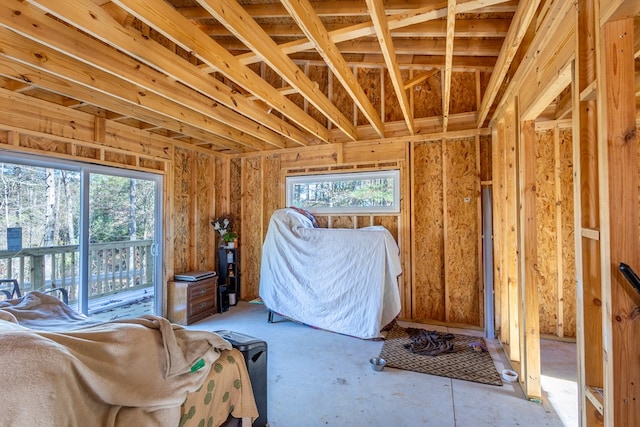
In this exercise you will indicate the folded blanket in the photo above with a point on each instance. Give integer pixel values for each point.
(128, 372)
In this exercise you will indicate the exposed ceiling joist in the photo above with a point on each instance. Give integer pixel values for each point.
(234, 17)
(308, 21)
(385, 39)
(166, 20)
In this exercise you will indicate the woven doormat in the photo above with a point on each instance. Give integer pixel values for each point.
(464, 364)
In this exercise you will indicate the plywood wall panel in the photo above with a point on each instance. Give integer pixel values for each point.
(182, 210)
(320, 76)
(428, 233)
(427, 97)
(45, 144)
(204, 237)
(463, 92)
(546, 237)
(364, 221)
(251, 237)
(391, 223)
(568, 234)
(369, 80)
(273, 197)
(342, 99)
(342, 221)
(392, 110)
(461, 231)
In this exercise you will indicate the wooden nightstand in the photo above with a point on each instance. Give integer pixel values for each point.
(189, 302)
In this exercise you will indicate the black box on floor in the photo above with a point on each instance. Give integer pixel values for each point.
(254, 351)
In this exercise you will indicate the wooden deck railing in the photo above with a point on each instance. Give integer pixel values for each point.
(113, 267)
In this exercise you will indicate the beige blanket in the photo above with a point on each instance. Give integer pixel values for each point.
(130, 372)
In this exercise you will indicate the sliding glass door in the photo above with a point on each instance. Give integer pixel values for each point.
(92, 230)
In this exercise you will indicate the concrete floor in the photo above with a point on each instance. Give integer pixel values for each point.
(319, 378)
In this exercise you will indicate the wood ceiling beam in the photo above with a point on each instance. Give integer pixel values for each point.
(519, 25)
(230, 14)
(430, 47)
(346, 8)
(167, 21)
(12, 69)
(415, 16)
(302, 12)
(212, 98)
(448, 61)
(424, 126)
(379, 19)
(465, 28)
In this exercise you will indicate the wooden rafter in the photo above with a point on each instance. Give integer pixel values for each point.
(446, 92)
(416, 16)
(464, 28)
(166, 20)
(30, 22)
(347, 8)
(308, 21)
(11, 69)
(245, 28)
(519, 24)
(379, 19)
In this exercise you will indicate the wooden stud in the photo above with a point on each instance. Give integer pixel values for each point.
(531, 362)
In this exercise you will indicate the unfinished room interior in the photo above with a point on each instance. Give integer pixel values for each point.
(509, 129)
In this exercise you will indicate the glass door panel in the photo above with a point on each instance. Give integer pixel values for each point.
(39, 227)
(122, 224)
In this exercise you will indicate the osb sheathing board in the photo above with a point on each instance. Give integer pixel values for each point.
(427, 97)
(341, 98)
(204, 196)
(251, 236)
(272, 189)
(463, 92)
(369, 79)
(555, 237)
(428, 233)
(342, 221)
(320, 76)
(392, 110)
(462, 281)
(388, 222)
(568, 234)
(546, 237)
(183, 161)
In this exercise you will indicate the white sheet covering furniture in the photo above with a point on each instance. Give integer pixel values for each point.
(341, 280)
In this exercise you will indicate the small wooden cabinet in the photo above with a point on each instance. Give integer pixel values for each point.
(189, 302)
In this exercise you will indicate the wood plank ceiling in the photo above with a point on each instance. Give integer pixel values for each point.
(239, 76)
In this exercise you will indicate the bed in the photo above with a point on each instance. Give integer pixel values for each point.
(60, 367)
(341, 280)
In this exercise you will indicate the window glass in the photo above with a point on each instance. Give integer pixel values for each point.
(346, 193)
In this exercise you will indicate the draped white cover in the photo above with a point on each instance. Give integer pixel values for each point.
(342, 280)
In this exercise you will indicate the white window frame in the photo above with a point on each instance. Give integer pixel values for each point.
(394, 174)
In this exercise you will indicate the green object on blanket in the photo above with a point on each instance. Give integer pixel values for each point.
(198, 365)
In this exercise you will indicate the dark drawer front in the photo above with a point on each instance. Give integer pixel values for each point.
(207, 288)
(202, 298)
(201, 305)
